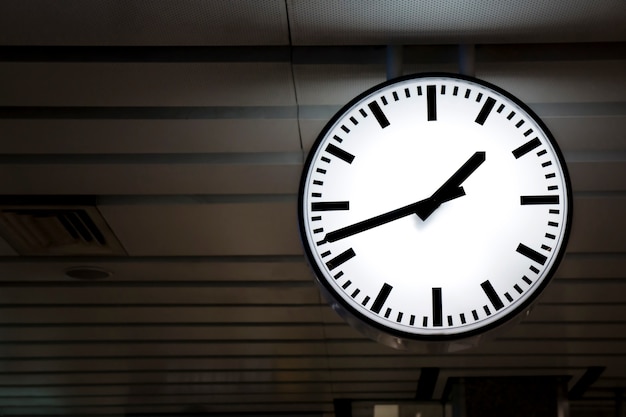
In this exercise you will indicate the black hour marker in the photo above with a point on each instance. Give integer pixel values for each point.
(399, 319)
(462, 316)
(553, 224)
(528, 132)
(412, 320)
(525, 148)
(318, 182)
(378, 114)
(407, 93)
(381, 298)
(479, 97)
(337, 138)
(494, 298)
(484, 112)
(467, 93)
(500, 108)
(338, 275)
(362, 112)
(431, 101)
(346, 284)
(320, 230)
(324, 159)
(475, 314)
(551, 175)
(330, 206)
(316, 194)
(532, 268)
(546, 164)
(539, 199)
(519, 124)
(437, 308)
(316, 218)
(553, 187)
(550, 236)
(395, 96)
(508, 297)
(443, 90)
(320, 170)
(487, 311)
(518, 289)
(419, 90)
(384, 100)
(531, 254)
(527, 280)
(339, 153)
(366, 300)
(542, 152)
(510, 116)
(387, 313)
(455, 91)
(449, 320)
(340, 259)
(345, 129)
(355, 293)
(425, 322)
(354, 121)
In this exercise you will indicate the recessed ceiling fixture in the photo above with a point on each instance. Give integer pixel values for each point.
(87, 272)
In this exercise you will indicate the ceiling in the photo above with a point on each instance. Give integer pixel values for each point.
(180, 129)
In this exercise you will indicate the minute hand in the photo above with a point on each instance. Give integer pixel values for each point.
(446, 192)
(384, 218)
(371, 223)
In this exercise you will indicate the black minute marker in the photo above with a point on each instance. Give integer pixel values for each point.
(381, 298)
(339, 153)
(484, 112)
(525, 148)
(539, 199)
(531, 254)
(378, 114)
(437, 308)
(431, 100)
(493, 296)
(340, 259)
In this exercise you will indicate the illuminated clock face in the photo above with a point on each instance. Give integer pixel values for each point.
(434, 207)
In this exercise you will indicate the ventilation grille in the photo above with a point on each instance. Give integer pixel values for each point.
(58, 231)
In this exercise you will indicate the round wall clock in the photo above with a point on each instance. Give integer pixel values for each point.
(434, 207)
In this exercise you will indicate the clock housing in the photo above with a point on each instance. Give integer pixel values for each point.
(434, 208)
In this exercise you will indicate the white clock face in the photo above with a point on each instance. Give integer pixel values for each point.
(434, 207)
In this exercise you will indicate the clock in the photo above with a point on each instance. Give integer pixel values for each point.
(434, 207)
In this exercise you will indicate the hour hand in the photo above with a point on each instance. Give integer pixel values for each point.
(426, 207)
(451, 189)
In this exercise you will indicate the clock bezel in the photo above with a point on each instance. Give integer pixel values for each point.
(386, 334)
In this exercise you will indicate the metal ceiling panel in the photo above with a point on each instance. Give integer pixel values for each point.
(221, 174)
(142, 136)
(373, 22)
(231, 229)
(144, 22)
(186, 124)
(223, 84)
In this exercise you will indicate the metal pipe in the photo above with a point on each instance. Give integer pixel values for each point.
(467, 59)
(394, 61)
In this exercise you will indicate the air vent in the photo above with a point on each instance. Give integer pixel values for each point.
(58, 231)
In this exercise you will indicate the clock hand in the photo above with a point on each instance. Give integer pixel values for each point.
(451, 189)
(376, 221)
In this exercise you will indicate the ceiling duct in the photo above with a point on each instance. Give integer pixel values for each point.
(58, 231)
